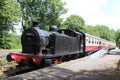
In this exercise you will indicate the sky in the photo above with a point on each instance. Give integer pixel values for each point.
(95, 12)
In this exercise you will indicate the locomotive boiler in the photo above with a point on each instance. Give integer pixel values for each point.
(40, 46)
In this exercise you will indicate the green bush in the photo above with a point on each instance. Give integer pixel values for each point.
(15, 42)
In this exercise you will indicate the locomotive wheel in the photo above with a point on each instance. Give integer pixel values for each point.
(42, 64)
(21, 62)
(66, 58)
(75, 56)
(30, 62)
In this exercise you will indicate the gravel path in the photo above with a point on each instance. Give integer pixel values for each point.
(79, 69)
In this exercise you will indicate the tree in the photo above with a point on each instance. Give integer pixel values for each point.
(91, 30)
(118, 38)
(9, 14)
(103, 31)
(5, 40)
(112, 35)
(74, 22)
(47, 12)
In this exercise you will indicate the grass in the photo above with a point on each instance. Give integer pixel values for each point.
(3, 62)
(5, 66)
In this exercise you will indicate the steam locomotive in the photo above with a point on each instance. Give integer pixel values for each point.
(54, 46)
(40, 47)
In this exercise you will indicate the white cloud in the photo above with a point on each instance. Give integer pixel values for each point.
(92, 11)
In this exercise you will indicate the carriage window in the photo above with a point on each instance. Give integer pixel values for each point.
(86, 40)
(95, 42)
(89, 41)
(92, 42)
(99, 42)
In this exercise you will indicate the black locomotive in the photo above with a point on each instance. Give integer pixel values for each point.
(50, 45)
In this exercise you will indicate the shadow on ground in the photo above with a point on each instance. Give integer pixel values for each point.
(55, 73)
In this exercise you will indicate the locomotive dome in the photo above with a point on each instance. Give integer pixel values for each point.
(53, 28)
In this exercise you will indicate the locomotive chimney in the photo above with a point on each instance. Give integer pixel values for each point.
(35, 24)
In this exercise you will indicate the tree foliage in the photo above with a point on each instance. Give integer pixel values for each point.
(15, 41)
(91, 30)
(9, 14)
(101, 31)
(47, 12)
(5, 40)
(118, 38)
(74, 22)
(105, 32)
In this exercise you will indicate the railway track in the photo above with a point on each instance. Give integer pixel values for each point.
(17, 70)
